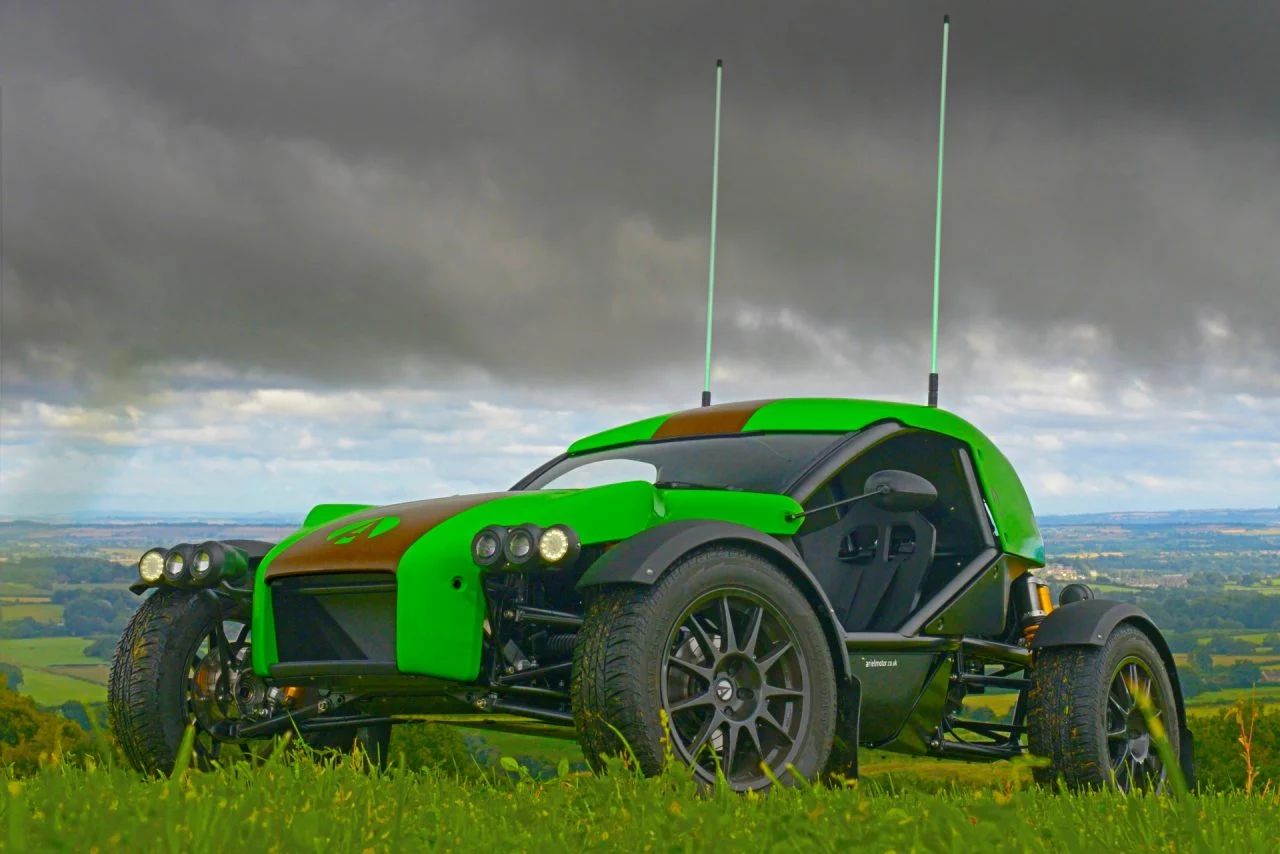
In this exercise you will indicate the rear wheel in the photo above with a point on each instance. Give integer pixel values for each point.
(1085, 713)
(183, 659)
(734, 654)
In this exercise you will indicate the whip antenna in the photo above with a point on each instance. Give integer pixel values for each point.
(937, 228)
(711, 274)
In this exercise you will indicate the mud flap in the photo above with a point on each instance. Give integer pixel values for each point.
(844, 748)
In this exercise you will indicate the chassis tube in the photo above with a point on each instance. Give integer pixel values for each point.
(898, 643)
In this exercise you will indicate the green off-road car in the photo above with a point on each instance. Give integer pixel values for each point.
(776, 581)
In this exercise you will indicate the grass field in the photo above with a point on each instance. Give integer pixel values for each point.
(93, 585)
(1267, 694)
(301, 806)
(92, 673)
(53, 689)
(14, 588)
(55, 670)
(1261, 659)
(40, 612)
(1255, 638)
(1001, 704)
(41, 652)
(1261, 589)
(1209, 701)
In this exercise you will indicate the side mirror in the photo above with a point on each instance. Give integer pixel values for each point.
(900, 491)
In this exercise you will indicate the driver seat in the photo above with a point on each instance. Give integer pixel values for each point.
(876, 562)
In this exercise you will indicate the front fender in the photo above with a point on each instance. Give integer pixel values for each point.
(1089, 622)
(646, 557)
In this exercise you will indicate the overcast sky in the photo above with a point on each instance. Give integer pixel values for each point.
(258, 256)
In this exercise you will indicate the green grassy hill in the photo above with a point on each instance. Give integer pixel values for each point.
(301, 806)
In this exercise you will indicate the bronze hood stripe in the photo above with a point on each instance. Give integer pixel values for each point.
(706, 420)
(322, 551)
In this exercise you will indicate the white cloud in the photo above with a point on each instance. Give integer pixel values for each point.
(1081, 440)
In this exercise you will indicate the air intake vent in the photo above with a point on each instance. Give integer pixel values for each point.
(335, 617)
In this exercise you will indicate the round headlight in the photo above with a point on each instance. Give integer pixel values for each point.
(558, 544)
(486, 547)
(202, 565)
(521, 544)
(151, 566)
(177, 564)
(214, 562)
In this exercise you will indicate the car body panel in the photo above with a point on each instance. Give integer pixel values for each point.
(322, 514)
(440, 608)
(1016, 527)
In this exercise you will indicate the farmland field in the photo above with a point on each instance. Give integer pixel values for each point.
(52, 689)
(1262, 660)
(41, 612)
(55, 670)
(14, 588)
(1263, 693)
(41, 652)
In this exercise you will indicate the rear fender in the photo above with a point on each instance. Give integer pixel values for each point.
(647, 556)
(1089, 622)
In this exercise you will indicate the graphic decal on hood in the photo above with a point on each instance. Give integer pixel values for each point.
(372, 528)
(372, 540)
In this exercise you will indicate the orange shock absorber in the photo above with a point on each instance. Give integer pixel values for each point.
(1046, 601)
(1034, 604)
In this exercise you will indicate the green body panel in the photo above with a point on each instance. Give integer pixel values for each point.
(323, 514)
(439, 625)
(1018, 532)
(262, 625)
(636, 431)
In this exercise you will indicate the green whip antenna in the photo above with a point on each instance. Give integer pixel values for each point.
(937, 228)
(711, 274)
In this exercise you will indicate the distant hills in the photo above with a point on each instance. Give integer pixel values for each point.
(265, 519)
(1260, 516)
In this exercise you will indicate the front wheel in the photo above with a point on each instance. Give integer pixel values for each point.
(184, 659)
(734, 654)
(1085, 713)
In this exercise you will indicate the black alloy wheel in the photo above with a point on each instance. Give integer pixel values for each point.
(729, 648)
(735, 683)
(219, 684)
(1134, 760)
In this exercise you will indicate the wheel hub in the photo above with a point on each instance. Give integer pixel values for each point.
(220, 694)
(725, 689)
(1133, 761)
(1139, 737)
(737, 686)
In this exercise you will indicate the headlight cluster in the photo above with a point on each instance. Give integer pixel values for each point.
(525, 545)
(190, 565)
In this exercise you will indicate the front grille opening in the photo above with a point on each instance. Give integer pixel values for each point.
(335, 617)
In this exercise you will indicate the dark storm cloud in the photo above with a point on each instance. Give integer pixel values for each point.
(352, 192)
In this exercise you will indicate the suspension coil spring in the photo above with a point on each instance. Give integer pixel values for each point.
(560, 646)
